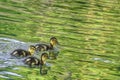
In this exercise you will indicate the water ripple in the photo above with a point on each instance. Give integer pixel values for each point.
(10, 73)
(7, 45)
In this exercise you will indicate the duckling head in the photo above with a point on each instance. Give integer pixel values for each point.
(44, 56)
(53, 41)
(32, 49)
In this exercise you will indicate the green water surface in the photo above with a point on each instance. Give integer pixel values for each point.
(88, 32)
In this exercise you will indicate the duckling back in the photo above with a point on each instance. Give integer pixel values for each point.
(20, 53)
(24, 53)
(32, 61)
(42, 47)
(35, 61)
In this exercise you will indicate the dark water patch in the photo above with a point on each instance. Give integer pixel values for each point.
(74, 3)
(97, 28)
(9, 11)
(8, 18)
(95, 54)
(11, 2)
(117, 74)
(24, 8)
(81, 2)
(70, 8)
(68, 38)
(72, 47)
(62, 6)
(118, 68)
(7, 33)
(19, 7)
(65, 18)
(85, 61)
(59, 24)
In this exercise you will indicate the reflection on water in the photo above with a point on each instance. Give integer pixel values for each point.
(103, 60)
(10, 73)
(4, 74)
(4, 77)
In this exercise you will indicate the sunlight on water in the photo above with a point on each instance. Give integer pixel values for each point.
(10, 73)
(4, 77)
(103, 60)
(7, 46)
(6, 60)
(10, 40)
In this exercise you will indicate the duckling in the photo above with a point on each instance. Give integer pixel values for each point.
(45, 47)
(43, 67)
(24, 53)
(33, 61)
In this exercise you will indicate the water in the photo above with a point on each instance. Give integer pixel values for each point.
(88, 33)
(7, 47)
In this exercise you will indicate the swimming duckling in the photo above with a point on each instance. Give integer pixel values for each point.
(43, 67)
(24, 53)
(45, 47)
(33, 61)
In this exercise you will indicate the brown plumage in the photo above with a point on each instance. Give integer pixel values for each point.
(24, 53)
(45, 47)
(33, 61)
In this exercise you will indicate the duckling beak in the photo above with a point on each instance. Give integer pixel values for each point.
(54, 42)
